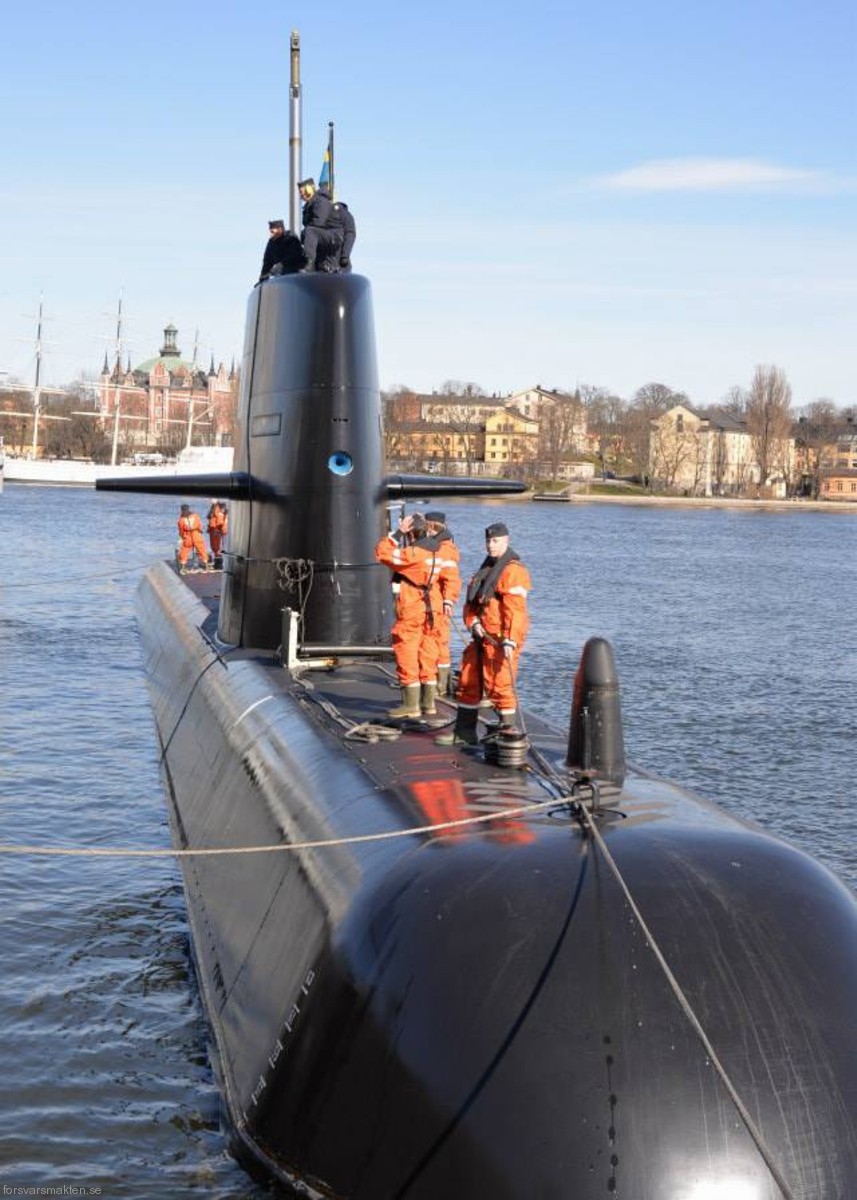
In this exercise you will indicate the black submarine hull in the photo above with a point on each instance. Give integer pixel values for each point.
(475, 1012)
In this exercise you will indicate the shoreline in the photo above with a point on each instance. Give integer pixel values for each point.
(847, 506)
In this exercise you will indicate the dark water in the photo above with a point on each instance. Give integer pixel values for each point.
(735, 643)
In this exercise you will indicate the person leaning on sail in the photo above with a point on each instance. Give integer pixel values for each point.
(283, 252)
(190, 538)
(495, 612)
(419, 609)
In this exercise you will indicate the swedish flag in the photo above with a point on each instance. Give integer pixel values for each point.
(325, 177)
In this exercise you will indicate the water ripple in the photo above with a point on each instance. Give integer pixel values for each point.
(737, 659)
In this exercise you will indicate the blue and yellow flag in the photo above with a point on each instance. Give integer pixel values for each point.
(325, 177)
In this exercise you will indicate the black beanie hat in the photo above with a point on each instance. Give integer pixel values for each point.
(498, 529)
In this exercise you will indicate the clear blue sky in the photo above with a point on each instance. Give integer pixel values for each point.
(610, 193)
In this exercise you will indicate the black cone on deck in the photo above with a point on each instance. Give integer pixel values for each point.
(595, 741)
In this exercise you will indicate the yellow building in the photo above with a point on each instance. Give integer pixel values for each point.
(510, 437)
(535, 402)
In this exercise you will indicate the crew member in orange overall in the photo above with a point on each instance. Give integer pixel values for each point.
(190, 533)
(495, 612)
(419, 607)
(217, 522)
(439, 538)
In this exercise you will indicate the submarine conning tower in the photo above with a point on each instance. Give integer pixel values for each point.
(309, 426)
(308, 487)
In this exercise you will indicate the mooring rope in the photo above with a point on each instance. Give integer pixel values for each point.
(588, 821)
(64, 579)
(281, 847)
(753, 1130)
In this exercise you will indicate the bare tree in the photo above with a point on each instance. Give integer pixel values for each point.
(817, 426)
(559, 420)
(676, 449)
(605, 414)
(466, 426)
(735, 401)
(650, 401)
(769, 422)
(16, 430)
(456, 387)
(78, 433)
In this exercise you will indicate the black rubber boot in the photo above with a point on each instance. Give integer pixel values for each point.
(464, 733)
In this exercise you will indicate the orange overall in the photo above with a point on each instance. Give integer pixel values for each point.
(487, 666)
(450, 587)
(419, 609)
(190, 531)
(216, 528)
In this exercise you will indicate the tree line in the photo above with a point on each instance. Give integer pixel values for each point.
(620, 429)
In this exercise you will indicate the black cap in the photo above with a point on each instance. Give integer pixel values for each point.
(418, 521)
(185, 508)
(306, 183)
(439, 518)
(277, 223)
(498, 529)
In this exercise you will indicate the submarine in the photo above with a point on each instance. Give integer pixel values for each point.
(430, 971)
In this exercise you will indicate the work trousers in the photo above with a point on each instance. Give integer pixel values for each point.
(196, 543)
(415, 649)
(443, 625)
(488, 670)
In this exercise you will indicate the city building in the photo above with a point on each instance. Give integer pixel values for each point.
(509, 438)
(535, 402)
(169, 401)
(710, 453)
(838, 484)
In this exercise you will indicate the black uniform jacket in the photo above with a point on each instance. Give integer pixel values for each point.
(317, 212)
(343, 218)
(286, 251)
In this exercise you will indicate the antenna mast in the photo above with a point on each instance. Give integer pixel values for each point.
(191, 403)
(117, 402)
(37, 389)
(294, 131)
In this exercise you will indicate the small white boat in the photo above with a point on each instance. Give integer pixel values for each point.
(78, 472)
